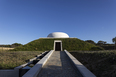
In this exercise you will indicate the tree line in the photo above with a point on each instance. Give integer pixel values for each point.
(104, 44)
(12, 45)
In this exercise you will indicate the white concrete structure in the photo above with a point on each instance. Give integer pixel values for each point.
(33, 72)
(58, 35)
(83, 70)
(57, 45)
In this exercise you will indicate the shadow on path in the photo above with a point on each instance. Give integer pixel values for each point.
(58, 65)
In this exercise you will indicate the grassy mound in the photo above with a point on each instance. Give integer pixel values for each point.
(43, 44)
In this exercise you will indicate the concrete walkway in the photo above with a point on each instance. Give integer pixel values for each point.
(58, 65)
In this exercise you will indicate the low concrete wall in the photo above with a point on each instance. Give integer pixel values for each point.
(33, 72)
(8, 73)
(15, 72)
(83, 70)
(38, 56)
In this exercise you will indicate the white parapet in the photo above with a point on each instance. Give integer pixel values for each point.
(33, 72)
(83, 70)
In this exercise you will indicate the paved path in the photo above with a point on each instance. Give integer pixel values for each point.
(58, 65)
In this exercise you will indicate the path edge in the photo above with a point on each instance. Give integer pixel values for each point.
(33, 72)
(83, 70)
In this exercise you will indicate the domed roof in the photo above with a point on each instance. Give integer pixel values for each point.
(58, 35)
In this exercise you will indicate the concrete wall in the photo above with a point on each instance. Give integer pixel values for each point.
(55, 44)
(8, 73)
(33, 72)
(83, 70)
(11, 73)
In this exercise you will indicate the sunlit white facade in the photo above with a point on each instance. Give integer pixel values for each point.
(58, 35)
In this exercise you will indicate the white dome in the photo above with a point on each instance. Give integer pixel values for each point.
(58, 35)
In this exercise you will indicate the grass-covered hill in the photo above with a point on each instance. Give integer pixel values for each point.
(43, 44)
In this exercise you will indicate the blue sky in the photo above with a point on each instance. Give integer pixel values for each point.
(23, 21)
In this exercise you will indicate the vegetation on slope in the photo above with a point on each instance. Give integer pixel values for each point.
(12, 59)
(101, 63)
(12, 45)
(47, 44)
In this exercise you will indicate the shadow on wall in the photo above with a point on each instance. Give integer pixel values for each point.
(67, 66)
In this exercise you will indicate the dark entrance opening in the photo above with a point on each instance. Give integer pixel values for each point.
(57, 46)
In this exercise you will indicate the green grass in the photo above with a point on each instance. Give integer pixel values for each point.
(11, 59)
(47, 44)
(101, 63)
